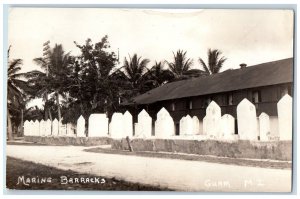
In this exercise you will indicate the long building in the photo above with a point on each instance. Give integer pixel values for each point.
(263, 84)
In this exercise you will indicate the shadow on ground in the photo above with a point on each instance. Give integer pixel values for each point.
(213, 159)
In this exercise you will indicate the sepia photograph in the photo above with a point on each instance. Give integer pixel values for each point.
(149, 99)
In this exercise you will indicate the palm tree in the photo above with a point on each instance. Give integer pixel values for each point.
(180, 64)
(134, 70)
(54, 80)
(41, 86)
(157, 75)
(215, 61)
(16, 94)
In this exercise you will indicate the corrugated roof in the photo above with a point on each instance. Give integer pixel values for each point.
(271, 73)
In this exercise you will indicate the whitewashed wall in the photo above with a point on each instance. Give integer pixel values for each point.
(164, 124)
(285, 108)
(247, 120)
(213, 126)
(212, 120)
(144, 125)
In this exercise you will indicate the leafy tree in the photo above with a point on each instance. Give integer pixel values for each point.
(180, 64)
(215, 62)
(33, 113)
(91, 86)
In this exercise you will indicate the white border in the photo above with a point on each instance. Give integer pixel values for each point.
(145, 2)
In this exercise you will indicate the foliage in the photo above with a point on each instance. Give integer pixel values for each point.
(133, 75)
(215, 61)
(17, 89)
(54, 79)
(34, 113)
(91, 86)
(157, 76)
(180, 64)
(92, 83)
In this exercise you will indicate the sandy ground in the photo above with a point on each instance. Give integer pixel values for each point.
(181, 175)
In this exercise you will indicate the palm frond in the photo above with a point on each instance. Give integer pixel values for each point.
(14, 66)
(215, 63)
(42, 62)
(204, 66)
(181, 64)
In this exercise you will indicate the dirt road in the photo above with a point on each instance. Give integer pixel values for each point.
(181, 175)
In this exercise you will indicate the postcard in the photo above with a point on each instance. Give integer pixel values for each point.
(147, 99)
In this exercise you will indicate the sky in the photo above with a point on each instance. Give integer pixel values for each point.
(243, 36)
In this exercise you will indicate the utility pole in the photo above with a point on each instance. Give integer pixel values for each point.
(46, 52)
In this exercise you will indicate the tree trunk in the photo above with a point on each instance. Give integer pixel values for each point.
(9, 127)
(81, 108)
(58, 107)
(22, 123)
(46, 112)
(49, 113)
